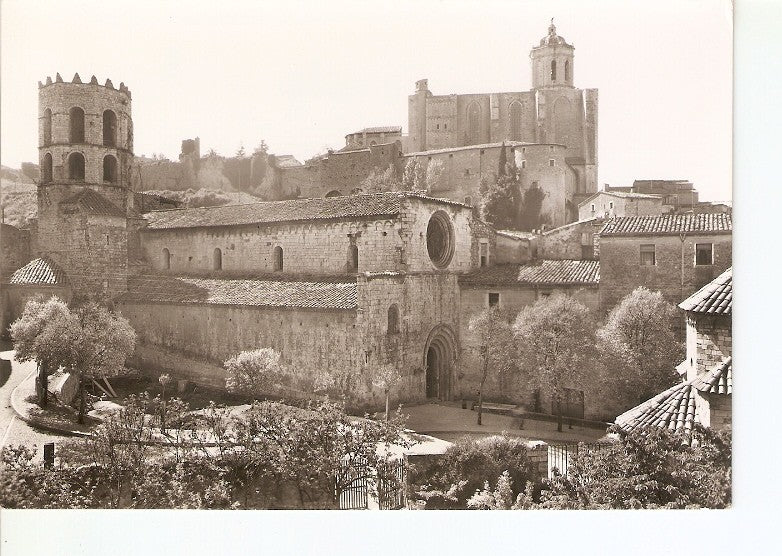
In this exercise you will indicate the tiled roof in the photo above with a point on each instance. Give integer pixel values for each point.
(554, 273)
(668, 224)
(93, 203)
(39, 272)
(516, 234)
(286, 161)
(718, 380)
(380, 129)
(472, 147)
(715, 298)
(333, 208)
(621, 195)
(254, 293)
(673, 409)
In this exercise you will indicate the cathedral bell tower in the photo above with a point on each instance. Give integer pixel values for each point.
(552, 61)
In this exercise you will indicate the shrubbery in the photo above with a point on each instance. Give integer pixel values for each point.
(450, 481)
(272, 456)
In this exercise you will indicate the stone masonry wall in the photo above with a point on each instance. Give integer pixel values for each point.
(14, 249)
(316, 247)
(709, 342)
(621, 271)
(572, 241)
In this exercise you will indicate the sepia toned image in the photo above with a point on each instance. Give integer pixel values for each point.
(353, 256)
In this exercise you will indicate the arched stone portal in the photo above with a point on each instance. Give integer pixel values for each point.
(440, 353)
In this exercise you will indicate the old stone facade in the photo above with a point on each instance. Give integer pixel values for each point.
(675, 254)
(84, 198)
(610, 204)
(553, 112)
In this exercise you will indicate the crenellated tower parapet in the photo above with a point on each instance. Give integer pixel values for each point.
(85, 133)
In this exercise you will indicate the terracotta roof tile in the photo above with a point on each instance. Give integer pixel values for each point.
(718, 380)
(673, 409)
(715, 298)
(310, 294)
(38, 272)
(668, 224)
(93, 202)
(333, 208)
(380, 129)
(565, 272)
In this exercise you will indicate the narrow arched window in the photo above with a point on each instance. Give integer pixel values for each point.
(277, 257)
(567, 70)
(77, 124)
(217, 259)
(46, 171)
(515, 120)
(166, 259)
(353, 257)
(553, 70)
(393, 319)
(474, 123)
(76, 166)
(109, 169)
(47, 127)
(109, 128)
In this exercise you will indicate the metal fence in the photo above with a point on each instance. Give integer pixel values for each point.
(561, 455)
(390, 486)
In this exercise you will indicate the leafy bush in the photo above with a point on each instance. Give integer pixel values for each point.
(649, 468)
(469, 465)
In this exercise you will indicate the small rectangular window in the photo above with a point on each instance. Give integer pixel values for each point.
(494, 299)
(484, 253)
(704, 254)
(483, 152)
(551, 162)
(610, 204)
(438, 126)
(593, 207)
(545, 295)
(648, 255)
(523, 163)
(445, 126)
(523, 149)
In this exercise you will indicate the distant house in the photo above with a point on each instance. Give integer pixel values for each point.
(705, 394)
(571, 241)
(678, 195)
(608, 204)
(674, 253)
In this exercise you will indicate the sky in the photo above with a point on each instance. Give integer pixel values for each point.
(302, 75)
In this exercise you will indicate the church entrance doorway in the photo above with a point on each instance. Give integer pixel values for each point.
(439, 358)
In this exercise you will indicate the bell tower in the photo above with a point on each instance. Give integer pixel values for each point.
(552, 61)
(85, 150)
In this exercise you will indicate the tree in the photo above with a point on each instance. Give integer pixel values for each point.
(240, 152)
(531, 210)
(42, 334)
(434, 170)
(494, 342)
(638, 344)
(386, 378)
(261, 149)
(377, 182)
(409, 175)
(255, 372)
(648, 468)
(500, 201)
(554, 339)
(501, 170)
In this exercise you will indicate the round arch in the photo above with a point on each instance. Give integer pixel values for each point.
(441, 351)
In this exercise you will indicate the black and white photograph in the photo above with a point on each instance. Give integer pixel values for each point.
(367, 256)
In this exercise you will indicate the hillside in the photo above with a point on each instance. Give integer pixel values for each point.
(19, 203)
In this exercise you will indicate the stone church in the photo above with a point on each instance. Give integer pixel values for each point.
(345, 286)
(554, 113)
